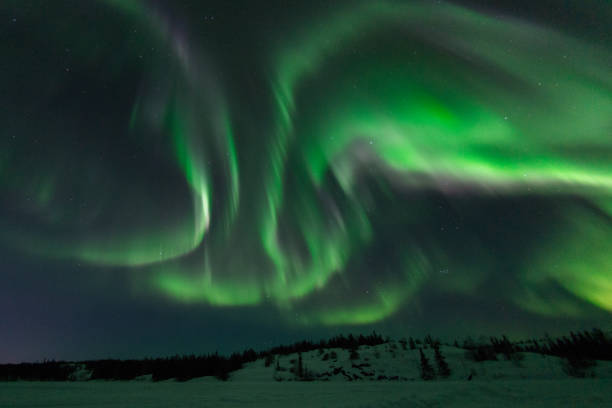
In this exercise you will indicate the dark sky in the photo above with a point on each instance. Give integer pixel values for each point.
(192, 176)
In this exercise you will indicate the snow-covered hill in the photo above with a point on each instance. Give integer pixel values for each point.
(391, 362)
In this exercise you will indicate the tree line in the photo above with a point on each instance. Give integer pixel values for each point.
(579, 350)
(181, 368)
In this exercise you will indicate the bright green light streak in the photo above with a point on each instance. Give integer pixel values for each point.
(579, 259)
(203, 288)
(191, 163)
(382, 302)
(232, 157)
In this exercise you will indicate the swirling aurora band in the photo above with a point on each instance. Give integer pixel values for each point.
(328, 207)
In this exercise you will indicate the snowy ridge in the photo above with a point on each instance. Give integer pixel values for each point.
(391, 362)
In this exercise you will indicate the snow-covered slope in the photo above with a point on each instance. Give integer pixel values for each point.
(391, 362)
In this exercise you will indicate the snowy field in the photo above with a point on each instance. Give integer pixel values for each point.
(211, 393)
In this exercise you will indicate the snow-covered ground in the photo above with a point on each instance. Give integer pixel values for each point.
(533, 381)
(211, 393)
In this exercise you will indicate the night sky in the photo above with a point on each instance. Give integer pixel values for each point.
(191, 176)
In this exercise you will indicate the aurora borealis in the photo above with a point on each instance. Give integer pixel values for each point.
(312, 167)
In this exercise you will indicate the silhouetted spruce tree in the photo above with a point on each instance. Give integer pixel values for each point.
(300, 367)
(411, 343)
(277, 365)
(429, 340)
(427, 371)
(443, 369)
(269, 360)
